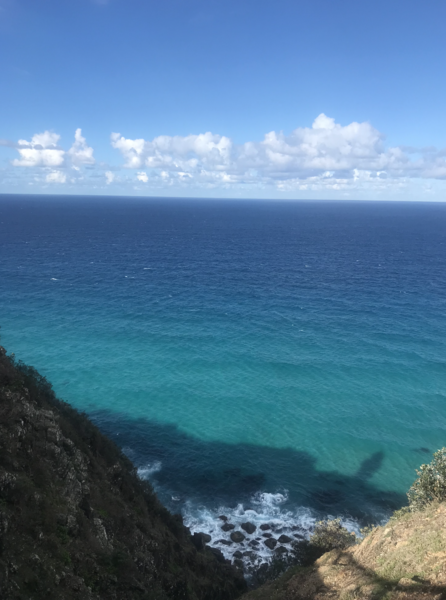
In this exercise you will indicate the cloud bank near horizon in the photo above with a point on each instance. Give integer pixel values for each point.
(326, 156)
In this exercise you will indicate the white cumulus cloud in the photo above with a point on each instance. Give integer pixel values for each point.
(326, 146)
(142, 176)
(44, 151)
(41, 151)
(326, 155)
(323, 157)
(175, 152)
(109, 177)
(80, 153)
(56, 177)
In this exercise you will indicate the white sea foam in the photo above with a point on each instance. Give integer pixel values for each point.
(265, 509)
(149, 469)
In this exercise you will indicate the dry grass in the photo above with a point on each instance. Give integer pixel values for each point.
(404, 560)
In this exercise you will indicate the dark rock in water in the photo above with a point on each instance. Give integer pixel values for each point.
(238, 554)
(249, 554)
(253, 543)
(225, 542)
(281, 550)
(265, 526)
(267, 535)
(223, 517)
(299, 536)
(284, 539)
(270, 543)
(227, 527)
(237, 537)
(248, 527)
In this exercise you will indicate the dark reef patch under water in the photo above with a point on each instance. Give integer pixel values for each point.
(215, 473)
(203, 479)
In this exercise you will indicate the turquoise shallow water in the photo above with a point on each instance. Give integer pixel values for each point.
(236, 349)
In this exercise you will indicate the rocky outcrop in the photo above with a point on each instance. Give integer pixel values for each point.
(237, 537)
(248, 527)
(75, 520)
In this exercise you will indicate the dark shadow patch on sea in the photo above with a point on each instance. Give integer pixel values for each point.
(216, 472)
(280, 487)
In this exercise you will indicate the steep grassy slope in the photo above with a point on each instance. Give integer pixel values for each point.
(404, 560)
(76, 522)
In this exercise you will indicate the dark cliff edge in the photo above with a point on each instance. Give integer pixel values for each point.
(75, 520)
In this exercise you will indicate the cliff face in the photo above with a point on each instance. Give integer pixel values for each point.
(76, 522)
(403, 560)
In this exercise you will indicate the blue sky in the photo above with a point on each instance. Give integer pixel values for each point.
(278, 99)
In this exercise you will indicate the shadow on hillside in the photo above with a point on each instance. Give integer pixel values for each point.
(349, 573)
(215, 473)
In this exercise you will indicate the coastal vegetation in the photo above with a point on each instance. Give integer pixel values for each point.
(76, 521)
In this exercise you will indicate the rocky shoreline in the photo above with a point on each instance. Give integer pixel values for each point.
(249, 546)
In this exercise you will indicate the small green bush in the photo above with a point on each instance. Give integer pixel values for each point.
(330, 534)
(365, 531)
(431, 483)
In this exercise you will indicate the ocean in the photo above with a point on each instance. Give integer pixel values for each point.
(271, 362)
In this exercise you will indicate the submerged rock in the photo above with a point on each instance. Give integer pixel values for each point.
(225, 542)
(237, 537)
(248, 527)
(265, 526)
(270, 543)
(284, 539)
(227, 527)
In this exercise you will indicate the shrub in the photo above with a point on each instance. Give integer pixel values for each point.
(431, 483)
(330, 534)
(367, 530)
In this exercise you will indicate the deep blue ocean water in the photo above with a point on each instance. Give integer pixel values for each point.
(282, 358)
